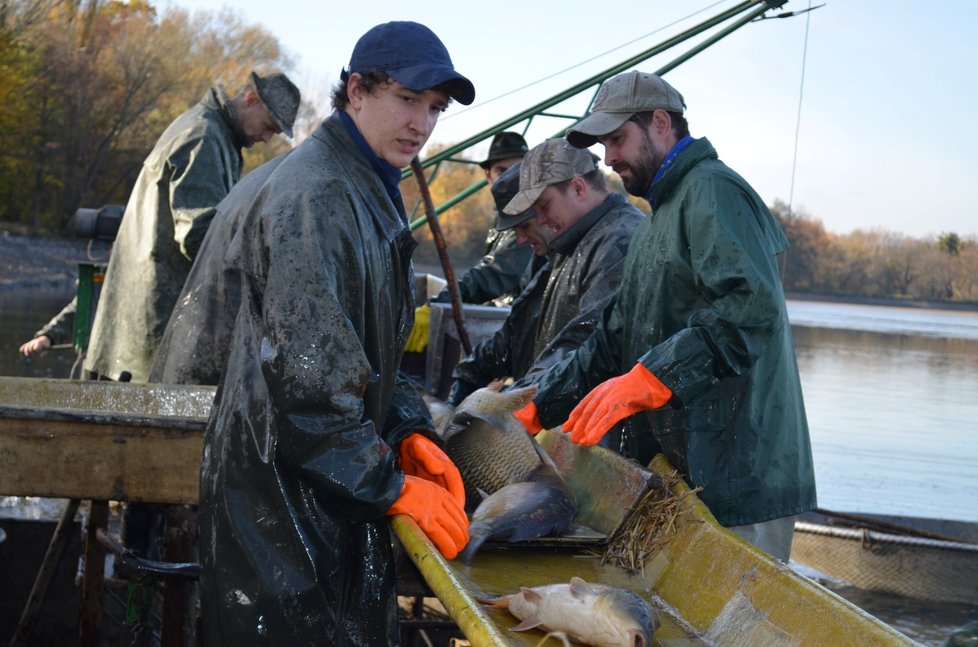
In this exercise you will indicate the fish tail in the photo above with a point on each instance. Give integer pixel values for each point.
(475, 543)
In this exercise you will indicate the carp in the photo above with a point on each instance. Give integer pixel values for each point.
(592, 614)
(534, 508)
(488, 445)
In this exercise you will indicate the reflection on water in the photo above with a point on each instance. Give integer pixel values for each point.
(22, 313)
(892, 419)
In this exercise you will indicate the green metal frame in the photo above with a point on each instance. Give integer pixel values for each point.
(592, 83)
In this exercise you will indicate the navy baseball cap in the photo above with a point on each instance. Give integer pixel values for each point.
(413, 55)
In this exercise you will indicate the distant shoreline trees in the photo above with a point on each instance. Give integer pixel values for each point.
(877, 263)
(86, 88)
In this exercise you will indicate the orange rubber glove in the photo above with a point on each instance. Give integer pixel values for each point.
(422, 458)
(529, 418)
(437, 513)
(614, 400)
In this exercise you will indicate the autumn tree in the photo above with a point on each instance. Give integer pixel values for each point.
(809, 241)
(465, 225)
(87, 88)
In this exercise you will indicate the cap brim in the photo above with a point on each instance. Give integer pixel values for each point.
(585, 133)
(523, 201)
(507, 221)
(427, 76)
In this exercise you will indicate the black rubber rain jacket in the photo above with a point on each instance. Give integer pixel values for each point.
(298, 467)
(560, 306)
(197, 340)
(702, 307)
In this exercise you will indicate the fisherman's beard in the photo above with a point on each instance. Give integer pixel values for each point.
(643, 170)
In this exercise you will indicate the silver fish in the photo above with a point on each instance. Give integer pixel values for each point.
(534, 508)
(488, 445)
(592, 614)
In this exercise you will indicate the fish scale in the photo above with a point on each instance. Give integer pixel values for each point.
(488, 445)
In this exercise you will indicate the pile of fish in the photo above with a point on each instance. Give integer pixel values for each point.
(591, 614)
(512, 488)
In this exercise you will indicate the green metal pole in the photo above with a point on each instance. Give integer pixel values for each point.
(600, 77)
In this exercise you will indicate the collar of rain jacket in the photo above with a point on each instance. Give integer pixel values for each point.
(217, 99)
(388, 174)
(333, 132)
(567, 241)
(697, 151)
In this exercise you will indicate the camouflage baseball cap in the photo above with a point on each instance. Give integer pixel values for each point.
(504, 189)
(548, 163)
(618, 99)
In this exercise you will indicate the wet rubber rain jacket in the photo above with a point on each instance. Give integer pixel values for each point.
(561, 304)
(193, 166)
(298, 468)
(702, 307)
(496, 277)
(196, 343)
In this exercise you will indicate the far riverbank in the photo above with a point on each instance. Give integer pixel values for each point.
(52, 262)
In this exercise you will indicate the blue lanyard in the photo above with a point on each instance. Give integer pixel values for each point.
(670, 158)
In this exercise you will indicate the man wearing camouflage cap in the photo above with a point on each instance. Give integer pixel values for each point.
(695, 355)
(560, 306)
(191, 168)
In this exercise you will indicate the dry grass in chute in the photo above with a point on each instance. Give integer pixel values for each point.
(650, 527)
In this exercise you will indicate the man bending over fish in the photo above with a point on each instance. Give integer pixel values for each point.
(559, 188)
(695, 352)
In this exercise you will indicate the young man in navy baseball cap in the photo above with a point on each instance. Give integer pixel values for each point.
(314, 440)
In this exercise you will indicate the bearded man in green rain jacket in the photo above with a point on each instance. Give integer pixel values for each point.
(191, 168)
(695, 354)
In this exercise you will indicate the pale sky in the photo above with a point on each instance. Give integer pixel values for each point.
(888, 136)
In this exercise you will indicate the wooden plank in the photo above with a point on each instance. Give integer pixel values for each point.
(87, 456)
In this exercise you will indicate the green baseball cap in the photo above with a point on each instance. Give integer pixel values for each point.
(618, 99)
(548, 163)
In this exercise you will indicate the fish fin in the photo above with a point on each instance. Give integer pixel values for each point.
(579, 588)
(495, 385)
(459, 422)
(519, 398)
(531, 595)
(475, 543)
(529, 623)
(502, 602)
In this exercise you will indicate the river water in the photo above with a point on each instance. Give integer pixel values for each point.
(892, 401)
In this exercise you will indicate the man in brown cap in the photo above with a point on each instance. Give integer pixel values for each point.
(560, 305)
(191, 168)
(695, 354)
(496, 276)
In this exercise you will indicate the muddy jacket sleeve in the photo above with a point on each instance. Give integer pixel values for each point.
(317, 368)
(59, 330)
(196, 184)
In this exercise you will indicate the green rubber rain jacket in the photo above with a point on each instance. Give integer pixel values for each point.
(702, 307)
(193, 166)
